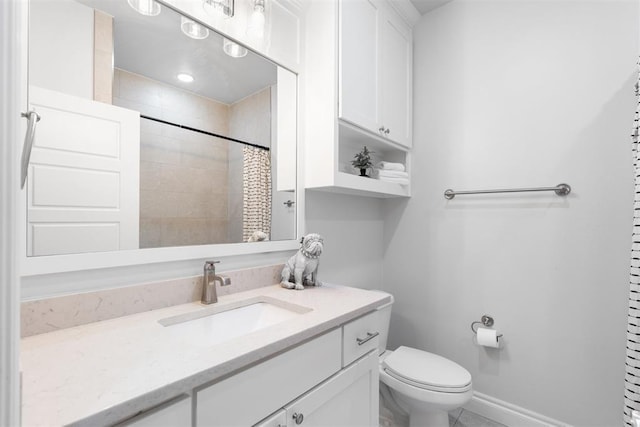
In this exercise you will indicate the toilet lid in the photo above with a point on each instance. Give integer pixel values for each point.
(427, 370)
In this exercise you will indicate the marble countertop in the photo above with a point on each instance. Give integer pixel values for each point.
(104, 372)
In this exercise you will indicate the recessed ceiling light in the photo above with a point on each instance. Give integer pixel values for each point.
(184, 77)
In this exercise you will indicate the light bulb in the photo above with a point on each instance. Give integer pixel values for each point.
(193, 29)
(233, 49)
(255, 28)
(145, 7)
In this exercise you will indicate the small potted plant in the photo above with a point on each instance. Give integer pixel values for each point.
(362, 161)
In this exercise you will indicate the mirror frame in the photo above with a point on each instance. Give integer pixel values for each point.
(50, 264)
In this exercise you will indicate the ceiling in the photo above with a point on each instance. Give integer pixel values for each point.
(155, 47)
(425, 6)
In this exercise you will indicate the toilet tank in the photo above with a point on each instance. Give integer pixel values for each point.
(384, 318)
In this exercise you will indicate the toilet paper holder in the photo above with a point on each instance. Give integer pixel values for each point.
(485, 320)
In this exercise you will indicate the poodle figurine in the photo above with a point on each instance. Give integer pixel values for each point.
(302, 268)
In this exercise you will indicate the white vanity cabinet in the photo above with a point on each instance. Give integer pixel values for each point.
(279, 419)
(348, 399)
(375, 69)
(247, 397)
(175, 413)
(358, 92)
(313, 384)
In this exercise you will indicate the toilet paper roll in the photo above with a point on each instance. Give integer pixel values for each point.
(488, 337)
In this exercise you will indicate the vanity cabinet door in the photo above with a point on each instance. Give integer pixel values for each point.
(349, 399)
(279, 419)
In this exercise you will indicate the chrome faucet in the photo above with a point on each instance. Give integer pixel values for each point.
(209, 280)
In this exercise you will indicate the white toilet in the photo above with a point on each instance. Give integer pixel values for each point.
(424, 385)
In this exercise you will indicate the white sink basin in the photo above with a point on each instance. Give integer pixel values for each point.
(217, 324)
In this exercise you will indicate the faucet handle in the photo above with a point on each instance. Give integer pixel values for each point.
(210, 265)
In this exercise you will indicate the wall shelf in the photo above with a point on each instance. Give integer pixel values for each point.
(346, 183)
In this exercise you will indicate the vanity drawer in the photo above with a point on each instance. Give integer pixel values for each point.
(247, 397)
(359, 337)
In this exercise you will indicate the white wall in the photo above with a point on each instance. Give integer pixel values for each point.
(521, 94)
(61, 47)
(352, 228)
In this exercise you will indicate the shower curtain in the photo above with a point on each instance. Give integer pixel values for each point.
(632, 376)
(256, 212)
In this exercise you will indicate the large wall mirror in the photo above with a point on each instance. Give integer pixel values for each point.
(155, 131)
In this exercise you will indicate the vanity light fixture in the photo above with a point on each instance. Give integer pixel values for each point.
(233, 49)
(255, 27)
(184, 77)
(219, 7)
(145, 7)
(193, 29)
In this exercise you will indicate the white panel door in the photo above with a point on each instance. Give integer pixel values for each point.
(83, 184)
(359, 101)
(349, 399)
(396, 75)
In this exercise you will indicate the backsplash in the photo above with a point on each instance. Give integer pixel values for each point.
(51, 314)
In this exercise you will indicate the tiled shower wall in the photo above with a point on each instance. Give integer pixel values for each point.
(191, 183)
(183, 174)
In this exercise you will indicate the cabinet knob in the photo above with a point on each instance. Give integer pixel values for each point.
(387, 131)
(299, 418)
(381, 129)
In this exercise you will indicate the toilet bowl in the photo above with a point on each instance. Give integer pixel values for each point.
(424, 385)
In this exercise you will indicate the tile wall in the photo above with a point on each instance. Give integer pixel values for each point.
(183, 174)
(191, 183)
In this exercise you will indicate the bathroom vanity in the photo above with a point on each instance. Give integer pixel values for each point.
(165, 366)
(307, 356)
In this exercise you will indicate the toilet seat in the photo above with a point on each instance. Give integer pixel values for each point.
(426, 371)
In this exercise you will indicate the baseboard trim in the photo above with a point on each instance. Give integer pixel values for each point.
(509, 414)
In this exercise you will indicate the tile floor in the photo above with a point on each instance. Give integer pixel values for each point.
(463, 418)
(393, 416)
(457, 418)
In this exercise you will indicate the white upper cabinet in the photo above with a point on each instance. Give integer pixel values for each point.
(357, 79)
(396, 70)
(375, 69)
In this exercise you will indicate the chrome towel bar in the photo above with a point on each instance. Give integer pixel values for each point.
(560, 190)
